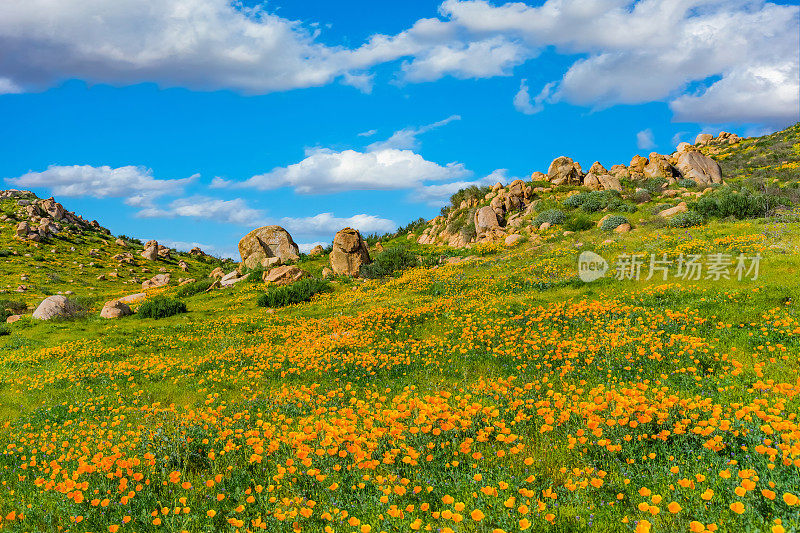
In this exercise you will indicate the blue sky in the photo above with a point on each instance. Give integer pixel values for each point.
(195, 121)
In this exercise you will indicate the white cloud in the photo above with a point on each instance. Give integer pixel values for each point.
(9, 87)
(135, 184)
(327, 224)
(406, 138)
(437, 195)
(185, 246)
(234, 211)
(327, 171)
(644, 139)
(368, 133)
(523, 102)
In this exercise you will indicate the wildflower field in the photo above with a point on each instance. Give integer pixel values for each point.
(500, 394)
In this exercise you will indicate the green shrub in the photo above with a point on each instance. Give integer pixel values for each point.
(4, 330)
(579, 223)
(739, 204)
(576, 200)
(686, 220)
(161, 307)
(591, 205)
(553, 216)
(641, 196)
(613, 222)
(190, 289)
(654, 185)
(297, 292)
(11, 307)
(388, 262)
(686, 183)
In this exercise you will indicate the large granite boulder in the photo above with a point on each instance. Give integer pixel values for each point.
(284, 275)
(699, 168)
(56, 306)
(485, 220)
(115, 309)
(267, 241)
(349, 252)
(564, 171)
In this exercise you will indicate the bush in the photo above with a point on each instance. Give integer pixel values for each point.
(686, 183)
(190, 289)
(612, 222)
(161, 307)
(4, 330)
(11, 307)
(579, 223)
(641, 196)
(297, 292)
(591, 205)
(388, 262)
(553, 216)
(686, 220)
(739, 204)
(594, 201)
(654, 185)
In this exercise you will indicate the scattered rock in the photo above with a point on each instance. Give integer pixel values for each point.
(623, 228)
(150, 250)
(514, 239)
(159, 280)
(284, 275)
(327, 273)
(349, 252)
(183, 265)
(702, 139)
(55, 306)
(115, 309)
(317, 250)
(217, 273)
(680, 208)
(232, 279)
(13, 318)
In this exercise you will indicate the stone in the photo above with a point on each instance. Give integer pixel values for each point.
(327, 273)
(703, 139)
(485, 220)
(672, 211)
(163, 252)
(658, 167)
(269, 262)
(183, 265)
(186, 281)
(120, 242)
(592, 182)
(623, 228)
(267, 241)
(57, 306)
(150, 251)
(544, 226)
(538, 176)
(217, 273)
(513, 239)
(609, 182)
(699, 168)
(115, 309)
(636, 168)
(197, 251)
(284, 275)
(23, 228)
(315, 251)
(159, 280)
(13, 318)
(349, 252)
(682, 147)
(232, 279)
(564, 171)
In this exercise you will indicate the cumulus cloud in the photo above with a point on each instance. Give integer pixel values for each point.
(306, 247)
(644, 139)
(327, 224)
(327, 171)
(136, 185)
(234, 211)
(406, 138)
(523, 102)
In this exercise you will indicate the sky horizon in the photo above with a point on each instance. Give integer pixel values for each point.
(195, 121)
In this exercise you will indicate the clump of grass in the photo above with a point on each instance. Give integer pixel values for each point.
(579, 223)
(388, 262)
(161, 307)
(297, 292)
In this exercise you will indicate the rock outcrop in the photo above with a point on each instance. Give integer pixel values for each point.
(159, 280)
(564, 171)
(349, 252)
(699, 168)
(267, 241)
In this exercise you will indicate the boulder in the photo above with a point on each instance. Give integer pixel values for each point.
(636, 168)
(115, 309)
(703, 139)
(564, 170)
(485, 219)
(183, 265)
(682, 147)
(349, 252)
(57, 306)
(269, 262)
(159, 280)
(120, 242)
(609, 182)
(13, 318)
(284, 275)
(217, 273)
(658, 167)
(592, 182)
(267, 241)
(150, 251)
(232, 279)
(52, 208)
(623, 228)
(699, 168)
(597, 169)
(163, 252)
(538, 176)
(317, 250)
(197, 251)
(133, 298)
(327, 273)
(23, 228)
(680, 208)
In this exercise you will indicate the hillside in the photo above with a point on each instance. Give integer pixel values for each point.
(481, 386)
